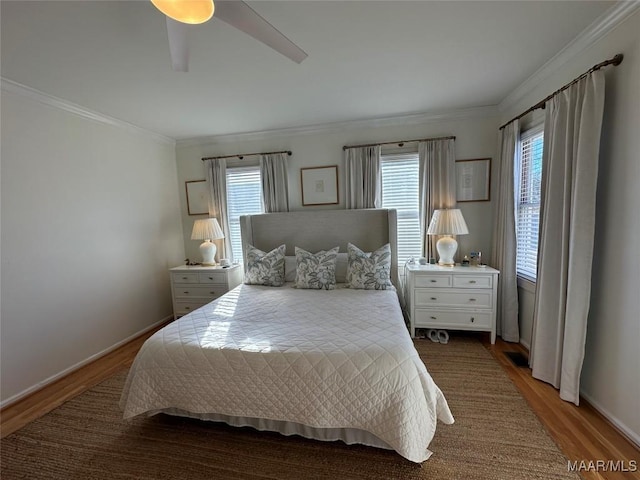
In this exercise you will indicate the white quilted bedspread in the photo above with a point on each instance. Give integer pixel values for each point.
(326, 359)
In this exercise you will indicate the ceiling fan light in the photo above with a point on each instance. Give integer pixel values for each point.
(186, 11)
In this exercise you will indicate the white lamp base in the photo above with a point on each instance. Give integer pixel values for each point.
(447, 247)
(208, 251)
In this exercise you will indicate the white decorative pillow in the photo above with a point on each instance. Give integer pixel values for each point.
(265, 268)
(369, 271)
(316, 271)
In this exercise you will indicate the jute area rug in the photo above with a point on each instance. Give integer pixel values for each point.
(496, 436)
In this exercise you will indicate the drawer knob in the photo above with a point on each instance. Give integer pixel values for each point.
(472, 319)
(433, 298)
(186, 293)
(189, 308)
(433, 281)
(212, 293)
(472, 299)
(472, 281)
(210, 278)
(433, 318)
(185, 278)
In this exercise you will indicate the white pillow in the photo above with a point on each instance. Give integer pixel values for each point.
(290, 268)
(316, 271)
(265, 268)
(369, 271)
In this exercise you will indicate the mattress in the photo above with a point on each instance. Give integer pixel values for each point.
(338, 359)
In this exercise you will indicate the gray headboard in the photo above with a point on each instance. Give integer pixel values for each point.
(369, 229)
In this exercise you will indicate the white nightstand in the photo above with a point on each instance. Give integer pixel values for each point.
(452, 298)
(195, 286)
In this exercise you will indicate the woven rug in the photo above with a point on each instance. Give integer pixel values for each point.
(496, 436)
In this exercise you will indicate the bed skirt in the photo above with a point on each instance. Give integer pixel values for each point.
(350, 436)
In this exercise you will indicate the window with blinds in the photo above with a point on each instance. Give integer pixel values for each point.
(528, 202)
(244, 197)
(400, 191)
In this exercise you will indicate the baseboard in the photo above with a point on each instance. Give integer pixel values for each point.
(613, 420)
(19, 396)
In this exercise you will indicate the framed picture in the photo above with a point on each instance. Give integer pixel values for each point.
(473, 180)
(197, 197)
(319, 185)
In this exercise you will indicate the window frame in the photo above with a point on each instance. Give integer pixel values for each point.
(231, 220)
(524, 278)
(398, 157)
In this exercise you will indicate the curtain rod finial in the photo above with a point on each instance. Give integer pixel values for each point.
(617, 60)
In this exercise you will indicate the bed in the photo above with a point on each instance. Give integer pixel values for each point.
(325, 364)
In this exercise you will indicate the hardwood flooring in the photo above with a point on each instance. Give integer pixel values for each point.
(581, 432)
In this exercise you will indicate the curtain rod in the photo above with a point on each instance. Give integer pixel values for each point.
(242, 155)
(615, 61)
(400, 143)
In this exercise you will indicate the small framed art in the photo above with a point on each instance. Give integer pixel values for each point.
(473, 180)
(197, 198)
(319, 185)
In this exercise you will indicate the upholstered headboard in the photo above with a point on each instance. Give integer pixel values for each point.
(369, 229)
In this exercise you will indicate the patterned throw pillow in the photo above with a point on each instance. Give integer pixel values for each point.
(369, 271)
(316, 271)
(265, 268)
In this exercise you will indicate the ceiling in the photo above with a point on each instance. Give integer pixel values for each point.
(366, 60)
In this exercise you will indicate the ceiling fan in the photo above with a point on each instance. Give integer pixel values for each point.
(181, 13)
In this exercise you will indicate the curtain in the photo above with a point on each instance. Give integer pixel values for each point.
(216, 172)
(503, 246)
(573, 120)
(362, 177)
(437, 184)
(275, 185)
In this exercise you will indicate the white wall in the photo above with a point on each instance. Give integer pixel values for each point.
(90, 224)
(475, 138)
(611, 374)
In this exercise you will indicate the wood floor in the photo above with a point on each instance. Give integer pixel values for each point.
(580, 432)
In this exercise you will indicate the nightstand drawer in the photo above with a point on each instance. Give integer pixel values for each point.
(212, 291)
(445, 319)
(184, 278)
(447, 298)
(473, 281)
(213, 277)
(436, 281)
(182, 308)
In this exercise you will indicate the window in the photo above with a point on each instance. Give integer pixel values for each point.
(400, 191)
(528, 202)
(244, 197)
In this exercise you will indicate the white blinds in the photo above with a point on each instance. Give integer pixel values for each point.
(400, 191)
(244, 197)
(528, 207)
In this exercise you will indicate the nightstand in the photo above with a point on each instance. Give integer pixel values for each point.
(195, 286)
(452, 298)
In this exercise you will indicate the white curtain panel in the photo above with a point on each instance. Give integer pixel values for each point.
(573, 122)
(216, 172)
(362, 177)
(275, 183)
(437, 184)
(504, 244)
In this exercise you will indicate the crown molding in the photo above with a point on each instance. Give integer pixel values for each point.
(598, 29)
(337, 127)
(16, 88)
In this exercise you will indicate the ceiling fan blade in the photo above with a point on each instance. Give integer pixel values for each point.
(241, 16)
(178, 45)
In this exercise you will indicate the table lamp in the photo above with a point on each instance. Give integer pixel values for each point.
(207, 229)
(447, 222)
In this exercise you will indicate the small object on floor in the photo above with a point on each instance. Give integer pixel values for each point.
(433, 335)
(442, 337)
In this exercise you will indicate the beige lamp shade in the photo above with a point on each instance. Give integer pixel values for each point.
(186, 11)
(207, 229)
(447, 222)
